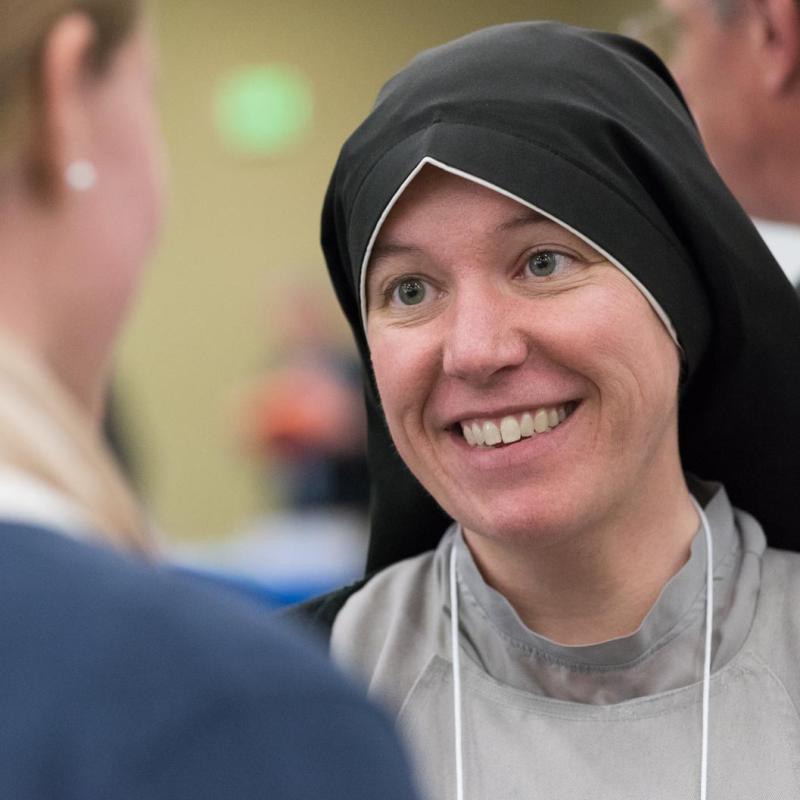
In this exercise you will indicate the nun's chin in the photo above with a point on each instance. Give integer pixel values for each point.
(530, 488)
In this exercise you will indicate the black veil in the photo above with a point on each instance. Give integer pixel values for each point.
(591, 128)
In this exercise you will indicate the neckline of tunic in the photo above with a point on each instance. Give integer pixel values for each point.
(664, 653)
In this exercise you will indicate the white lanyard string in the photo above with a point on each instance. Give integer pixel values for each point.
(709, 637)
(709, 630)
(456, 674)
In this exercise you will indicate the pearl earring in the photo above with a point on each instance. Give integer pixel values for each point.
(80, 175)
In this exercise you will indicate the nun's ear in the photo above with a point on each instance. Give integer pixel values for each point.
(776, 29)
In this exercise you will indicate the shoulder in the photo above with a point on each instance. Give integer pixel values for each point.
(775, 634)
(780, 586)
(776, 574)
(387, 630)
(75, 600)
(779, 593)
(402, 589)
(365, 600)
(781, 570)
(182, 686)
(57, 589)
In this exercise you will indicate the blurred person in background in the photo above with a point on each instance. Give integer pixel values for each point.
(304, 416)
(738, 65)
(302, 420)
(119, 680)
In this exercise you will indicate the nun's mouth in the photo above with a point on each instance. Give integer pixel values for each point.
(510, 429)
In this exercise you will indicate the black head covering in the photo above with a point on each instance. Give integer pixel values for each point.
(591, 128)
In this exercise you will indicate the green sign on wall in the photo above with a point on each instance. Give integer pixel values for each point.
(261, 110)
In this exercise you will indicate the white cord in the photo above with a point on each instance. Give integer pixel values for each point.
(709, 630)
(707, 658)
(456, 675)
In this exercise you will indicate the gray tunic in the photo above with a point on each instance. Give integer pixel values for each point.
(618, 720)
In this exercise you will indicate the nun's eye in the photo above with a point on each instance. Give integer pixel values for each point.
(410, 291)
(547, 262)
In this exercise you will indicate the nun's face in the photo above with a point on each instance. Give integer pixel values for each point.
(526, 381)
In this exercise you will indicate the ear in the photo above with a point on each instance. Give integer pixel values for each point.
(63, 129)
(776, 26)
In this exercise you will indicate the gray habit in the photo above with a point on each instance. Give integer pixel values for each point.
(618, 720)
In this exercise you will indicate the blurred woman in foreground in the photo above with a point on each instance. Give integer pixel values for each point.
(81, 187)
(587, 359)
(118, 679)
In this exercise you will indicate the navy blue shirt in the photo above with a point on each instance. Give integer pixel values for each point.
(119, 680)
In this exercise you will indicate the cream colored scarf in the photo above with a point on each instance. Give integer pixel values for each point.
(45, 434)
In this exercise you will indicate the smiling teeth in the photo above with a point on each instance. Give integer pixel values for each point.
(511, 429)
(491, 434)
(541, 421)
(526, 426)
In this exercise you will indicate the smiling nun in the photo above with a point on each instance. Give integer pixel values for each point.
(583, 379)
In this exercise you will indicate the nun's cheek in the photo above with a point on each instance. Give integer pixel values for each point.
(405, 366)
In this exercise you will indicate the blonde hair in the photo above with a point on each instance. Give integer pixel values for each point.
(46, 435)
(24, 30)
(44, 432)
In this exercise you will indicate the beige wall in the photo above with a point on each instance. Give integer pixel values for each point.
(239, 225)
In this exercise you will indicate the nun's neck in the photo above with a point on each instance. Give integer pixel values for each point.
(593, 585)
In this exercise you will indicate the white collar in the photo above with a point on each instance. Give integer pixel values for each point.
(26, 499)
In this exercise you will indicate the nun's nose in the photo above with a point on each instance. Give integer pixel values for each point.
(482, 339)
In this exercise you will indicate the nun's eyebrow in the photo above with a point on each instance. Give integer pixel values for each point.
(389, 249)
(529, 218)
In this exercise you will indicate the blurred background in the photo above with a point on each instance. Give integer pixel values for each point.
(236, 400)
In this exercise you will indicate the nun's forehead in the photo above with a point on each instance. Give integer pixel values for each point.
(427, 163)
